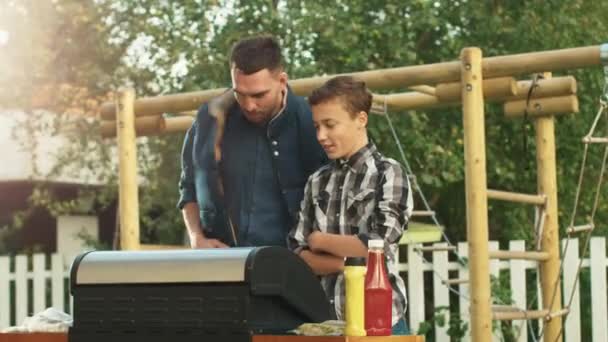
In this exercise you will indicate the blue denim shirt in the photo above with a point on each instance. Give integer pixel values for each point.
(264, 171)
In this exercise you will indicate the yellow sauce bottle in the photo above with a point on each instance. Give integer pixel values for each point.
(354, 274)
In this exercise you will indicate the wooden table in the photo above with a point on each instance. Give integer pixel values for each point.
(61, 337)
(34, 337)
(292, 338)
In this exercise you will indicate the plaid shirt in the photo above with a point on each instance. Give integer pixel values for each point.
(368, 196)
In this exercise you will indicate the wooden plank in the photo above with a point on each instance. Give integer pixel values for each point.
(292, 338)
(57, 286)
(463, 289)
(39, 280)
(5, 319)
(21, 308)
(441, 292)
(34, 337)
(572, 322)
(517, 279)
(415, 276)
(599, 312)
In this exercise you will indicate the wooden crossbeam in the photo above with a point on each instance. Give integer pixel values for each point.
(595, 140)
(581, 228)
(424, 89)
(559, 313)
(418, 213)
(436, 248)
(517, 197)
(538, 256)
(455, 281)
(519, 315)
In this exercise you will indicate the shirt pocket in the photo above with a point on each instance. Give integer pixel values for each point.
(359, 208)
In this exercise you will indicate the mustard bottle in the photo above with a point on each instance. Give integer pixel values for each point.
(354, 274)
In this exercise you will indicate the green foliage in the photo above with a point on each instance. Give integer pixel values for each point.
(442, 315)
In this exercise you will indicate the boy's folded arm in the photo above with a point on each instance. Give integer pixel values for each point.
(322, 263)
(337, 245)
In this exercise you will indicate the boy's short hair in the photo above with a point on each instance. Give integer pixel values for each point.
(353, 94)
(253, 54)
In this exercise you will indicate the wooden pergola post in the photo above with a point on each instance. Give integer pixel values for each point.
(476, 194)
(127, 180)
(547, 185)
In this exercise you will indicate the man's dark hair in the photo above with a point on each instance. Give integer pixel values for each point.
(353, 94)
(251, 55)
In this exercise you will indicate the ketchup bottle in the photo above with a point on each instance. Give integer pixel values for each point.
(378, 292)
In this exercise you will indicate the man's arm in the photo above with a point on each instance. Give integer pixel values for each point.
(187, 201)
(192, 220)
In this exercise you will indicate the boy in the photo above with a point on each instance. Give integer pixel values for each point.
(360, 195)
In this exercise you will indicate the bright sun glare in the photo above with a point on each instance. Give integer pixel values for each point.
(3, 37)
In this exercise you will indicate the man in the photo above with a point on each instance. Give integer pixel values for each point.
(360, 195)
(245, 165)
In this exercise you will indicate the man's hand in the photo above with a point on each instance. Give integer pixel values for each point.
(198, 241)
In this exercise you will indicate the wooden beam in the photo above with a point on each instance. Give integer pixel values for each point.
(516, 197)
(417, 213)
(519, 315)
(476, 196)
(150, 125)
(595, 140)
(546, 174)
(581, 228)
(521, 255)
(144, 126)
(455, 281)
(424, 89)
(128, 199)
(542, 106)
(510, 65)
(560, 313)
(177, 124)
(493, 88)
(436, 248)
(547, 87)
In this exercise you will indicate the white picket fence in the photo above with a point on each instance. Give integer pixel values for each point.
(25, 290)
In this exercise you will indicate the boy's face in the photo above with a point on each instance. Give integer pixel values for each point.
(340, 134)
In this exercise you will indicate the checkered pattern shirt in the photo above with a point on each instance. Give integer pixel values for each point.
(367, 195)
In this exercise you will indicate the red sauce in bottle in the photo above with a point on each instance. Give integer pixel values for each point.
(378, 293)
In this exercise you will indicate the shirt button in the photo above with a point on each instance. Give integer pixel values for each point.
(276, 153)
(275, 143)
(338, 215)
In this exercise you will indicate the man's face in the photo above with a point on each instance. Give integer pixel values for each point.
(340, 134)
(260, 95)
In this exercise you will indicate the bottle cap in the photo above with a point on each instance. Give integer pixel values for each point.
(375, 243)
(355, 261)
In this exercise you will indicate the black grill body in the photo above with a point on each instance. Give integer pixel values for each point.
(123, 296)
